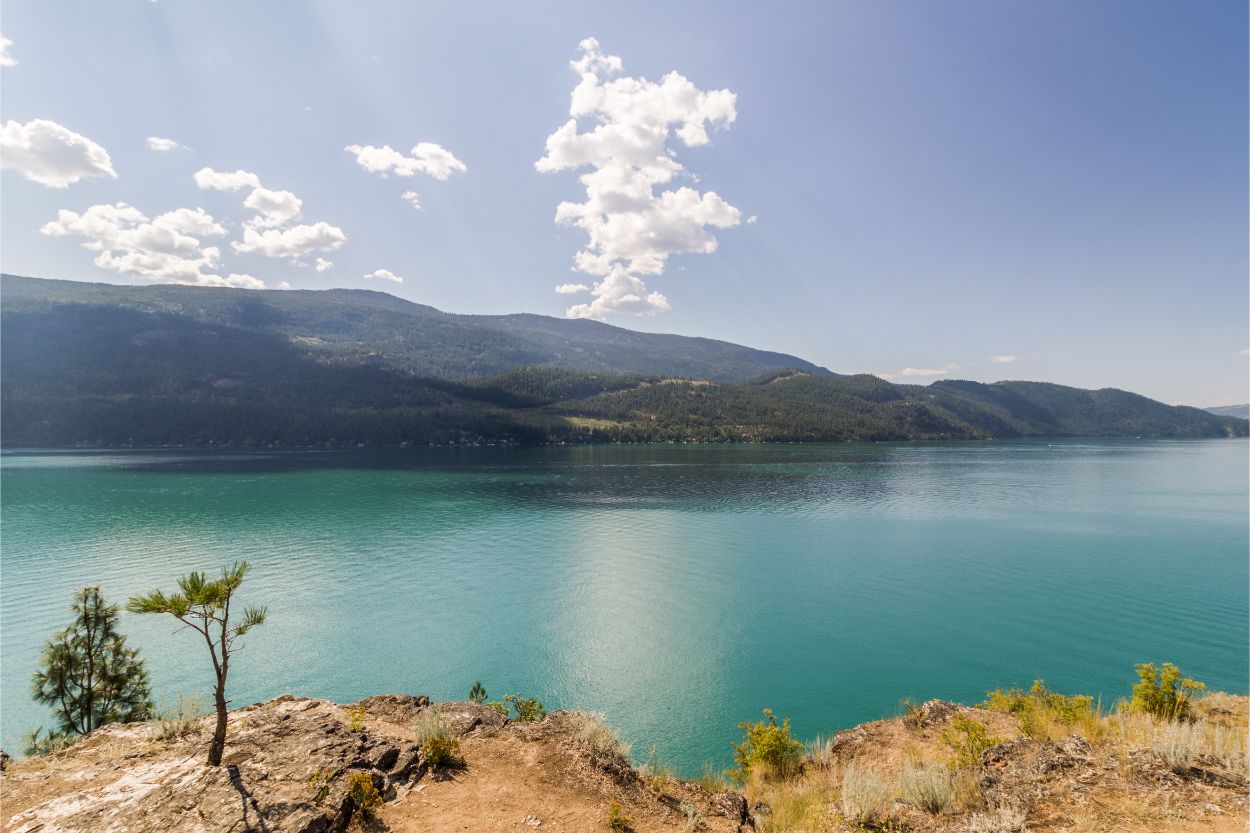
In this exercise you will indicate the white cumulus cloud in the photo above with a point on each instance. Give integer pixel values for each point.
(1002, 359)
(425, 157)
(632, 230)
(386, 275)
(293, 242)
(571, 288)
(269, 232)
(162, 144)
(225, 180)
(6, 57)
(45, 152)
(323, 264)
(164, 249)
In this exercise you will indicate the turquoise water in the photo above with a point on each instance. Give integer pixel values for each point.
(677, 589)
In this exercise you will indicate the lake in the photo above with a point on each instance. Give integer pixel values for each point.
(677, 589)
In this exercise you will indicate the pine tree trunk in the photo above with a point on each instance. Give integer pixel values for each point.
(219, 733)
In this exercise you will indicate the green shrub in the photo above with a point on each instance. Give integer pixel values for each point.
(362, 792)
(968, 738)
(477, 694)
(357, 723)
(769, 744)
(1164, 692)
(617, 820)
(502, 708)
(525, 709)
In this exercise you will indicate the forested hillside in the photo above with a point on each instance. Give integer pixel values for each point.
(97, 365)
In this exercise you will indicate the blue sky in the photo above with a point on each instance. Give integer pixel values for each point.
(933, 184)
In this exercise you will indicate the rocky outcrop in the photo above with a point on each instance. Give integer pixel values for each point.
(287, 767)
(289, 764)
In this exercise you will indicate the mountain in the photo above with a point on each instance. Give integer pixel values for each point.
(102, 365)
(1240, 411)
(359, 325)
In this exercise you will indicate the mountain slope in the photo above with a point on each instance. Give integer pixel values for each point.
(1240, 411)
(107, 366)
(359, 325)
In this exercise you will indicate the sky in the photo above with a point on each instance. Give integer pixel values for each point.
(987, 190)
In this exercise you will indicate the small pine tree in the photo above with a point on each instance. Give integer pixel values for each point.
(88, 674)
(477, 694)
(204, 606)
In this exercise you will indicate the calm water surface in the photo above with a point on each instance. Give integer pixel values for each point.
(678, 589)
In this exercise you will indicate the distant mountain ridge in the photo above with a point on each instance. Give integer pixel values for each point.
(1239, 411)
(103, 365)
(361, 324)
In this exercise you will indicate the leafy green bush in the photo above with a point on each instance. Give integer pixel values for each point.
(362, 791)
(1164, 692)
(967, 738)
(525, 709)
(769, 744)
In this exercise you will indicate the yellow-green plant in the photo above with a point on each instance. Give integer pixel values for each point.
(362, 791)
(617, 820)
(769, 744)
(1039, 708)
(357, 723)
(441, 751)
(321, 781)
(525, 709)
(1164, 692)
(967, 739)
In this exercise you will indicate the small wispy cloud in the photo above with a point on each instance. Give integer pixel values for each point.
(1002, 359)
(161, 143)
(919, 372)
(323, 264)
(572, 288)
(6, 57)
(385, 275)
(412, 198)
